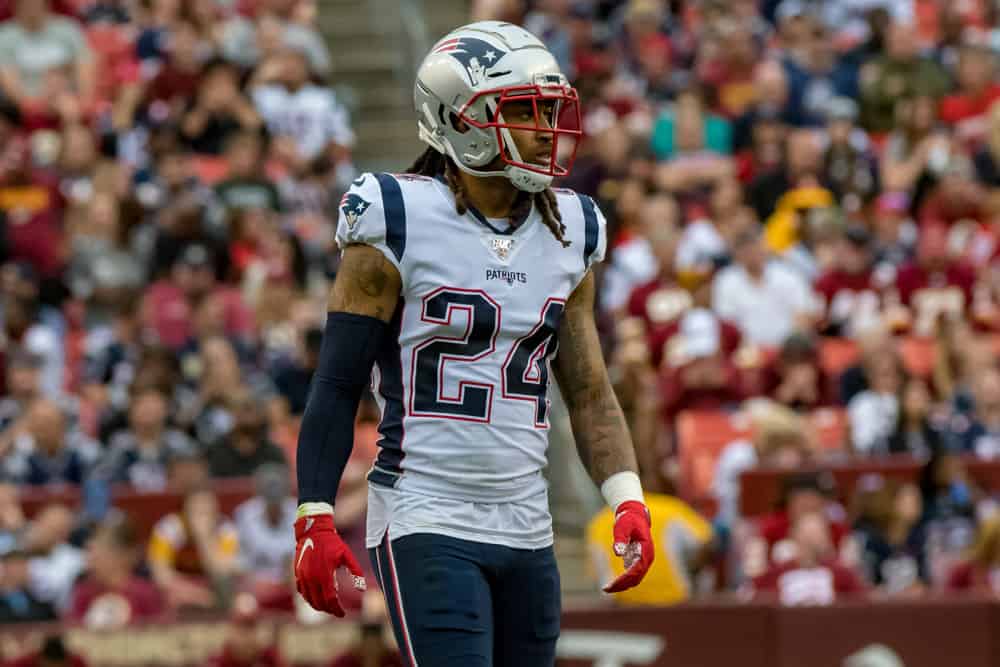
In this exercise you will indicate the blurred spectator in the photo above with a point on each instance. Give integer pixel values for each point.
(17, 603)
(949, 498)
(193, 555)
(980, 433)
(169, 302)
(645, 254)
(796, 379)
(770, 86)
(851, 289)
(967, 107)
(916, 149)
(102, 266)
(245, 185)
(175, 84)
(44, 449)
(23, 386)
(812, 575)
(247, 42)
(778, 438)
(875, 655)
(693, 143)
(244, 646)
(899, 73)
(698, 371)
(875, 412)
(979, 570)
(815, 77)
(895, 234)
(246, 447)
(262, 523)
(760, 294)
(801, 167)
(219, 110)
(44, 59)
(53, 653)
(684, 533)
(918, 429)
(139, 454)
(292, 377)
(304, 119)
(111, 595)
(890, 535)
(849, 166)
(936, 284)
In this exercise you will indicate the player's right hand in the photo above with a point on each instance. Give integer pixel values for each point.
(319, 553)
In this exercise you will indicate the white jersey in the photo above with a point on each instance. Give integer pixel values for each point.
(463, 386)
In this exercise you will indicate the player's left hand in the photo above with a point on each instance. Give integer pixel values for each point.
(633, 543)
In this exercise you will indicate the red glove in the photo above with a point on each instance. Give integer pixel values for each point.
(319, 553)
(633, 543)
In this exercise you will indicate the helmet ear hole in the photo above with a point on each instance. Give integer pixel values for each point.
(457, 123)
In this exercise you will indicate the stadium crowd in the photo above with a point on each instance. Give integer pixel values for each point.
(802, 200)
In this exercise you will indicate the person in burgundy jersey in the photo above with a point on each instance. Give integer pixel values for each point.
(662, 300)
(813, 575)
(850, 290)
(795, 378)
(935, 284)
(802, 494)
(111, 595)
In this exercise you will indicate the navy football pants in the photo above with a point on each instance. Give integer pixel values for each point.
(456, 603)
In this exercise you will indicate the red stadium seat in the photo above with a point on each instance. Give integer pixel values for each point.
(701, 437)
(918, 355)
(837, 354)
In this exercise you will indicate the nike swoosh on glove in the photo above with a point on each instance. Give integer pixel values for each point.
(633, 543)
(319, 553)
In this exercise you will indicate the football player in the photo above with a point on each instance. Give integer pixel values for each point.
(460, 281)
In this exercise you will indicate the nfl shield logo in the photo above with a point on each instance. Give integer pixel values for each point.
(501, 247)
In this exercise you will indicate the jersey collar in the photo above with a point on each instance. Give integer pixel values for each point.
(483, 220)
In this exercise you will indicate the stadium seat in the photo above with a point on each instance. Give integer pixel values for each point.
(701, 437)
(918, 355)
(837, 354)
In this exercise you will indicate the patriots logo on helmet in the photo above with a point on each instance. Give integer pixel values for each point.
(353, 208)
(476, 55)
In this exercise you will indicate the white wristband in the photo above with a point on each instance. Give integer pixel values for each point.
(312, 509)
(620, 487)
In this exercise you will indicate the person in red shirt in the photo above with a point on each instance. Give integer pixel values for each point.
(795, 378)
(935, 284)
(851, 290)
(812, 574)
(111, 595)
(967, 107)
(698, 371)
(802, 494)
(243, 647)
(661, 301)
(170, 303)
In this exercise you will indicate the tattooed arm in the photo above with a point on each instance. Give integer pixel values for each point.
(601, 433)
(367, 284)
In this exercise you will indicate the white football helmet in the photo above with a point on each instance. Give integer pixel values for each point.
(461, 90)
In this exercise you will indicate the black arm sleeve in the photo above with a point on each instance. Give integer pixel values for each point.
(350, 345)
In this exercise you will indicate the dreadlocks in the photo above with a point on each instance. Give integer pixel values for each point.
(433, 163)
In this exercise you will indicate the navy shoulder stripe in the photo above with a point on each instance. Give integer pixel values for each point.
(590, 223)
(395, 214)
